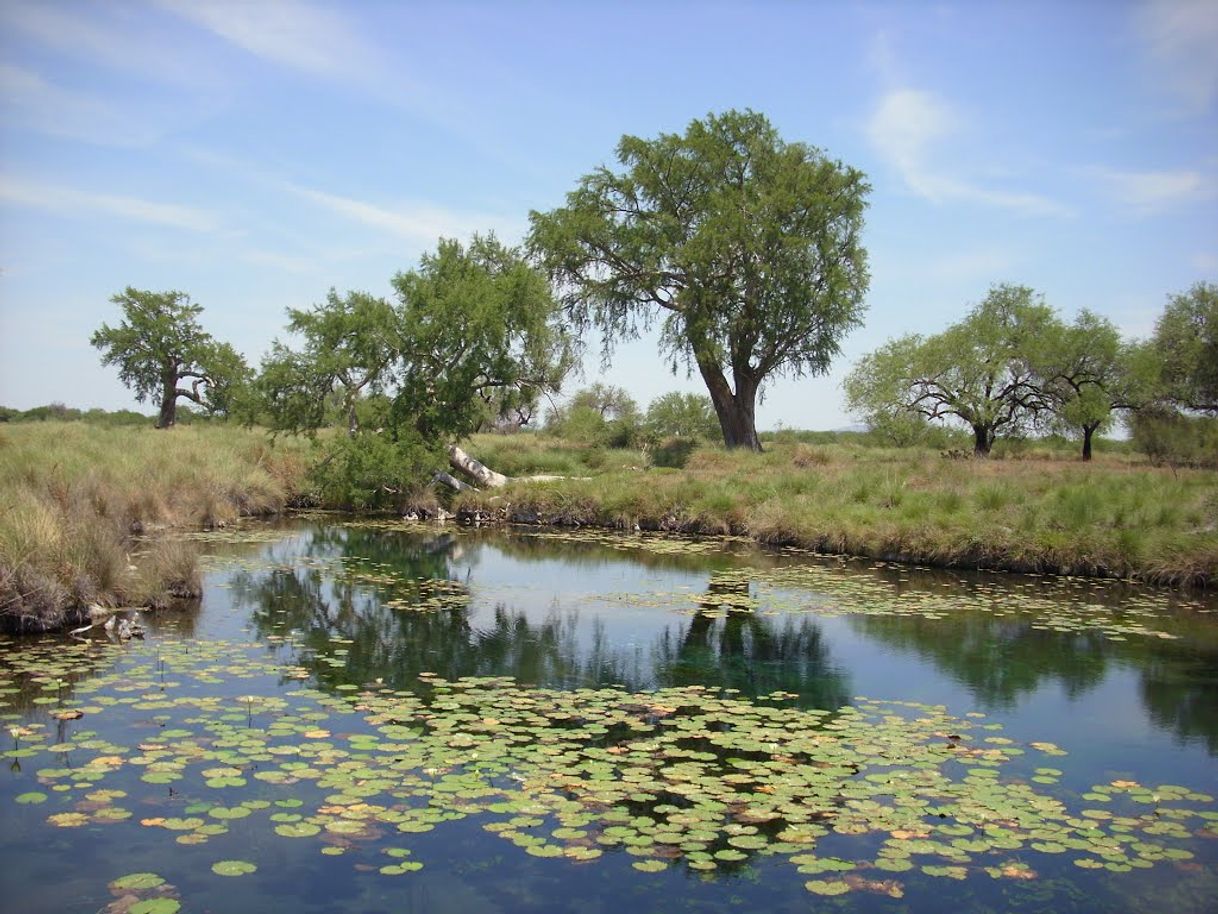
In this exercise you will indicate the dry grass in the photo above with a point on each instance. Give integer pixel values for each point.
(74, 499)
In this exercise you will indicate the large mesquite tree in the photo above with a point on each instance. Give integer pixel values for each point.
(163, 354)
(749, 247)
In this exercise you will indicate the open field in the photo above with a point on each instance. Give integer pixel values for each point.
(74, 497)
(1038, 509)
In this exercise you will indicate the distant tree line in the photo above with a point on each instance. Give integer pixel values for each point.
(1012, 367)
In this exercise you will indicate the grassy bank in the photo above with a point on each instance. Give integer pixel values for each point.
(1038, 511)
(75, 498)
(80, 505)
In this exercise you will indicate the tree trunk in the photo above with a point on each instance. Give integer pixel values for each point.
(169, 404)
(981, 441)
(467, 464)
(1088, 430)
(737, 411)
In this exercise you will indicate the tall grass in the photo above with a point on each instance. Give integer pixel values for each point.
(1033, 511)
(75, 497)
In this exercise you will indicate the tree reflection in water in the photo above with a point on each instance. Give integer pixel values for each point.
(718, 647)
(726, 643)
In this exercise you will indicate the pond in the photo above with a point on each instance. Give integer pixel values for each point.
(372, 717)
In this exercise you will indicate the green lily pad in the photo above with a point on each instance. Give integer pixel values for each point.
(233, 868)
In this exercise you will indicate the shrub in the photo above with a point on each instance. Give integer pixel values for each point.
(1168, 437)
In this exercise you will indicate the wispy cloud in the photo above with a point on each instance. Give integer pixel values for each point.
(287, 32)
(1181, 37)
(1151, 191)
(69, 201)
(113, 35)
(415, 222)
(908, 129)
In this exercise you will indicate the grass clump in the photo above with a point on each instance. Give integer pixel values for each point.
(76, 501)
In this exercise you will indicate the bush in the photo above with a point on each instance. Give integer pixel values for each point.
(1169, 437)
(673, 452)
(372, 472)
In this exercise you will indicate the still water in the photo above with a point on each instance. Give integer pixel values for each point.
(365, 717)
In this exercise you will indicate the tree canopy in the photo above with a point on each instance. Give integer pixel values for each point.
(985, 371)
(1186, 343)
(748, 246)
(159, 344)
(472, 334)
(1089, 372)
(682, 415)
(349, 344)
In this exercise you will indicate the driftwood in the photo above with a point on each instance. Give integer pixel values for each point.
(476, 470)
(484, 475)
(452, 482)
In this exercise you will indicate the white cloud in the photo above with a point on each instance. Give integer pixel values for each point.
(1149, 191)
(909, 128)
(286, 32)
(1181, 37)
(70, 201)
(416, 222)
(115, 36)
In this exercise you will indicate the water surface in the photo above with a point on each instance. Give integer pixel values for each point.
(382, 718)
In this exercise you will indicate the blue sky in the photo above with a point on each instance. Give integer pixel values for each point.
(254, 154)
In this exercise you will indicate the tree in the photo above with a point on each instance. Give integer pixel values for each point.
(1089, 373)
(682, 416)
(349, 346)
(480, 327)
(601, 415)
(1186, 342)
(160, 344)
(473, 333)
(981, 371)
(747, 245)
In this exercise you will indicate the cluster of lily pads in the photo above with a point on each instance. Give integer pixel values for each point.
(823, 590)
(690, 777)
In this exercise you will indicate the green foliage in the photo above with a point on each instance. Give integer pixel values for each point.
(749, 246)
(681, 415)
(986, 371)
(472, 336)
(367, 471)
(673, 452)
(1186, 343)
(908, 429)
(1168, 437)
(349, 345)
(479, 328)
(1089, 373)
(598, 416)
(159, 344)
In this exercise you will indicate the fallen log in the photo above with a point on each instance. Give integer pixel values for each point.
(476, 470)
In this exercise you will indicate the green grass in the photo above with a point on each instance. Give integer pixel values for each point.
(73, 497)
(1035, 509)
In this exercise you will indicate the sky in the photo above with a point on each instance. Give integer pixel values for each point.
(256, 153)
